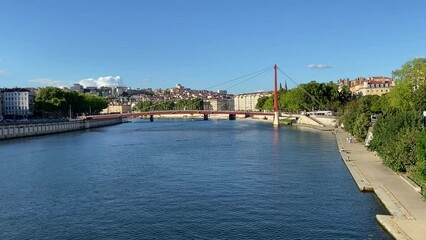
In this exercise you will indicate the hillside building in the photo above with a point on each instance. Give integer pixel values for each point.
(371, 86)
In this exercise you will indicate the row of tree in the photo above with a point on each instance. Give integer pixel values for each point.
(51, 101)
(399, 135)
(193, 104)
(306, 97)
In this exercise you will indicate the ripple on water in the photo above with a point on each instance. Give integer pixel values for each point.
(182, 180)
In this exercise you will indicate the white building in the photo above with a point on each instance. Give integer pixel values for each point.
(77, 87)
(118, 91)
(248, 101)
(17, 102)
(218, 104)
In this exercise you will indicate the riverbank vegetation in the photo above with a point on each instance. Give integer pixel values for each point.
(55, 102)
(307, 97)
(399, 135)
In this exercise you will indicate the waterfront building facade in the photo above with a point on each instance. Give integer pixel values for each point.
(248, 101)
(117, 108)
(371, 86)
(218, 104)
(17, 102)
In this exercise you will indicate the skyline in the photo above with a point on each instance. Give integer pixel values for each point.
(157, 44)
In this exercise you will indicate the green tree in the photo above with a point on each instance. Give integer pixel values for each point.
(361, 126)
(401, 155)
(356, 116)
(387, 129)
(74, 101)
(49, 101)
(196, 103)
(293, 101)
(419, 98)
(401, 97)
(413, 71)
(57, 102)
(345, 95)
(350, 115)
(419, 170)
(268, 105)
(261, 102)
(95, 103)
(143, 106)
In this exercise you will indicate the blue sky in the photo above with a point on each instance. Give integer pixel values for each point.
(201, 43)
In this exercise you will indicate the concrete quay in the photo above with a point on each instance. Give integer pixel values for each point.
(35, 129)
(407, 209)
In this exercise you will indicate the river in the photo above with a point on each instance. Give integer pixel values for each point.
(182, 180)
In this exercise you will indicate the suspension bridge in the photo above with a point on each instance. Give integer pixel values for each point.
(232, 115)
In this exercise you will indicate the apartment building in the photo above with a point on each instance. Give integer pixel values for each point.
(117, 108)
(371, 86)
(218, 104)
(17, 102)
(248, 101)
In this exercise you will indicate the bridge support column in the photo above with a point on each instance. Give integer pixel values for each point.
(276, 119)
(206, 117)
(276, 109)
(247, 115)
(232, 116)
(151, 118)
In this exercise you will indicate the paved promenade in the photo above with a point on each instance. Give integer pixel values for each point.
(404, 203)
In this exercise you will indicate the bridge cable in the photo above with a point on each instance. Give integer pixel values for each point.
(304, 90)
(250, 75)
(238, 78)
(258, 74)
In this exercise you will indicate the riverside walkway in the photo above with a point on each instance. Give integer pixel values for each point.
(401, 199)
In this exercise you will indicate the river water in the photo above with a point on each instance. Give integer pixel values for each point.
(182, 180)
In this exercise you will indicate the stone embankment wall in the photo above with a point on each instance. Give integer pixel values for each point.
(320, 121)
(34, 129)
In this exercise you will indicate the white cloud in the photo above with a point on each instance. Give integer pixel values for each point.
(319, 66)
(107, 81)
(49, 82)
